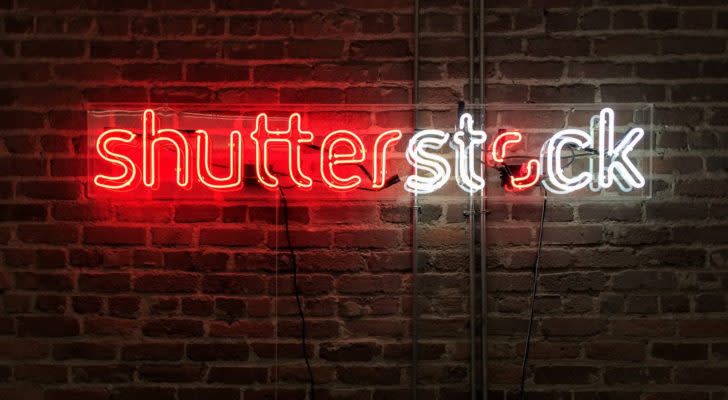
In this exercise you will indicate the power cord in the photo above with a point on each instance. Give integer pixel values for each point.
(533, 299)
(296, 292)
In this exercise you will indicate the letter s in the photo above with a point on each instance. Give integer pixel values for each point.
(435, 165)
(102, 148)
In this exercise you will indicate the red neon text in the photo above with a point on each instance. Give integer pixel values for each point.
(338, 149)
(529, 173)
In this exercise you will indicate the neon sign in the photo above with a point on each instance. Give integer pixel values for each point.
(293, 150)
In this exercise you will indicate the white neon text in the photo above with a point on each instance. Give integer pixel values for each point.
(465, 175)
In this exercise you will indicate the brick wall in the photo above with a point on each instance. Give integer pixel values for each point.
(177, 300)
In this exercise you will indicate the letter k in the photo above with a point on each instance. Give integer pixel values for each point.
(614, 163)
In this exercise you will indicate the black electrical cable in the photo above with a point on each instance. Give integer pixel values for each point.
(533, 298)
(298, 297)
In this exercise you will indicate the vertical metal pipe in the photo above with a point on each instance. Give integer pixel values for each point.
(415, 209)
(473, 364)
(416, 61)
(481, 50)
(415, 294)
(483, 216)
(483, 285)
(471, 74)
(471, 215)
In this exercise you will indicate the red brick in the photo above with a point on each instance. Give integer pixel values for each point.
(202, 393)
(121, 49)
(115, 94)
(166, 282)
(151, 72)
(208, 26)
(233, 284)
(703, 327)
(616, 351)
(367, 238)
(330, 261)
(196, 213)
(217, 73)
(81, 211)
(172, 50)
(173, 328)
(104, 282)
(48, 326)
(643, 327)
(202, 261)
(170, 372)
(357, 351)
(40, 373)
(366, 328)
(217, 351)
(171, 236)
(553, 47)
(180, 94)
(124, 306)
(713, 375)
(248, 95)
(317, 49)
(238, 375)
(300, 238)
(692, 45)
(143, 393)
(152, 351)
(253, 50)
(114, 235)
(49, 190)
(108, 326)
(572, 326)
(200, 306)
(145, 26)
(572, 375)
(48, 233)
(625, 45)
(282, 73)
(368, 284)
(53, 48)
(146, 213)
(312, 95)
(84, 350)
(231, 237)
(268, 215)
(23, 349)
(242, 329)
(88, 72)
(76, 394)
(327, 72)
(369, 375)
(22, 212)
(21, 393)
(680, 351)
(61, 119)
(87, 304)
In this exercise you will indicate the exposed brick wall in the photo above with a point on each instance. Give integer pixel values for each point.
(175, 300)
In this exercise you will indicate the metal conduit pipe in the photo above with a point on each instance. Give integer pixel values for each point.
(471, 209)
(415, 206)
(483, 215)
